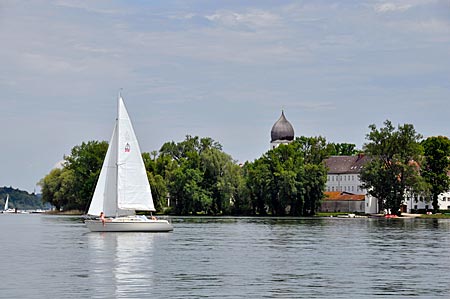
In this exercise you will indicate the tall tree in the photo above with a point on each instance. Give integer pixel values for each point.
(315, 150)
(200, 176)
(289, 179)
(57, 188)
(437, 166)
(85, 162)
(72, 186)
(394, 166)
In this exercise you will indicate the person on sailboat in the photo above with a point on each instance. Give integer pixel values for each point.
(102, 218)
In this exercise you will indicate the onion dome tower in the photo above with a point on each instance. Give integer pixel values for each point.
(282, 132)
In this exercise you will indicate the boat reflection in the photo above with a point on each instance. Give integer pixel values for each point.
(122, 264)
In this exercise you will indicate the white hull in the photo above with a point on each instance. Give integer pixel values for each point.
(129, 226)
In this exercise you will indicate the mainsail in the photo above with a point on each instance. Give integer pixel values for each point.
(6, 207)
(123, 185)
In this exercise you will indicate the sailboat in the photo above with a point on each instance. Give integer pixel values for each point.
(6, 208)
(123, 187)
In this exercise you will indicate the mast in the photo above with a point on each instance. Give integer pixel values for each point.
(117, 155)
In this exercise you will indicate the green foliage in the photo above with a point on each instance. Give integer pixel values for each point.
(289, 179)
(85, 163)
(342, 149)
(58, 189)
(72, 187)
(20, 199)
(394, 166)
(437, 164)
(159, 190)
(200, 177)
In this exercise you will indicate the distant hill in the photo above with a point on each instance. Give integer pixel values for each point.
(21, 200)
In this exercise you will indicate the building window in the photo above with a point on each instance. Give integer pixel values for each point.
(332, 188)
(415, 207)
(332, 178)
(353, 189)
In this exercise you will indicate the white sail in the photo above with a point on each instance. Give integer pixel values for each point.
(6, 203)
(133, 188)
(123, 185)
(105, 194)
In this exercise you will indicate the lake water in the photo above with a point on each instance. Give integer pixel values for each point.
(57, 257)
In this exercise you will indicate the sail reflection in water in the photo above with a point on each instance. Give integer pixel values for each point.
(118, 269)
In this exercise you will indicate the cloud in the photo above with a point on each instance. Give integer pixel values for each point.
(253, 18)
(391, 7)
(89, 7)
(403, 5)
(226, 64)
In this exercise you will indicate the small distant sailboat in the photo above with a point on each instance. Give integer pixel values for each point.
(6, 203)
(6, 208)
(123, 187)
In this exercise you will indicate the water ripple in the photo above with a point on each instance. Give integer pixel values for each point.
(52, 256)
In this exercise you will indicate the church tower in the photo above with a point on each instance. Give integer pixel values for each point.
(282, 132)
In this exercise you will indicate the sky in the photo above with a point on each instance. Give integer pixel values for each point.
(219, 69)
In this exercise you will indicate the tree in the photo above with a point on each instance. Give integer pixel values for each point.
(342, 149)
(20, 199)
(85, 163)
(186, 191)
(288, 179)
(221, 178)
(159, 190)
(200, 177)
(72, 186)
(257, 177)
(315, 151)
(394, 165)
(437, 164)
(58, 189)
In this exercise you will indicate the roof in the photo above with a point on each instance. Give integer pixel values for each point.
(335, 196)
(282, 129)
(346, 164)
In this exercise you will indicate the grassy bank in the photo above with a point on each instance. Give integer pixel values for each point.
(435, 216)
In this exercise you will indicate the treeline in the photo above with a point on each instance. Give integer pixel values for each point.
(19, 199)
(195, 176)
(404, 165)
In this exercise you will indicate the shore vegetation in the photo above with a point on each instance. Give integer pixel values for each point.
(196, 177)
